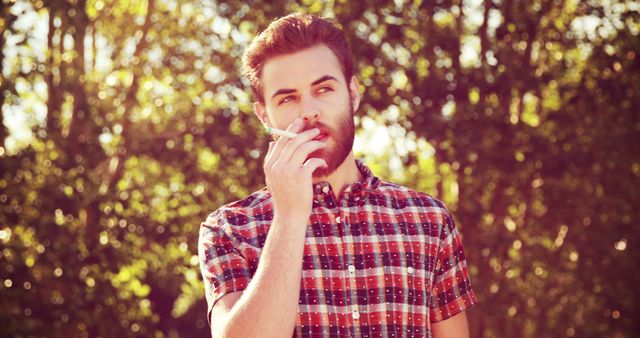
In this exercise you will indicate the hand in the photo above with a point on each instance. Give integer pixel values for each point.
(289, 173)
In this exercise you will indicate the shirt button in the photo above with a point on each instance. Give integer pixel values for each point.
(356, 315)
(338, 219)
(352, 268)
(410, 269)
(325, 189)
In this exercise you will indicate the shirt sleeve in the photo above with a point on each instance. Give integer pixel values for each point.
(224, 269)
(451, 291)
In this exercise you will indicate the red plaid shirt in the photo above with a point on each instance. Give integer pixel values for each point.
(382, 260)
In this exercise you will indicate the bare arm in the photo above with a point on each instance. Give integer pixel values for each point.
(268, 306)
(220, 311)
(454, 327)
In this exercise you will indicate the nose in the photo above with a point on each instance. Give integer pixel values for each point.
(310, 111)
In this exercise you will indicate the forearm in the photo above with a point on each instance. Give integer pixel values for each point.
(453, 327)
(269, 304)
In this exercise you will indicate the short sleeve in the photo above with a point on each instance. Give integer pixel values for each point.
(224, 269)
(451, 291)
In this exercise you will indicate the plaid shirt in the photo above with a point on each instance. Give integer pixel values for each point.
(381, 261)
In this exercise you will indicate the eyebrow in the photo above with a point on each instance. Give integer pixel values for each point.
(323, 79)
(289, 91)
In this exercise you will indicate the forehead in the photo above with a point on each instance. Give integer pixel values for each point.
(298, 70)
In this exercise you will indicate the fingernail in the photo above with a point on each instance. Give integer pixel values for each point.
(297, 122)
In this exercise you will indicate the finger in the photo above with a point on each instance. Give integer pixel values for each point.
(302, 152)
(291, 147)
(314, 163)
(294, 127)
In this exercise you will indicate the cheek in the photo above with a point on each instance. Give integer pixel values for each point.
(334, 107)
(285, 123)
(282, 117)
(339, 99)
(337, 111)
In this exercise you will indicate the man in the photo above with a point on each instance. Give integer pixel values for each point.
(326, 249)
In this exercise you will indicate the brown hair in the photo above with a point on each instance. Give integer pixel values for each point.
(291, 34)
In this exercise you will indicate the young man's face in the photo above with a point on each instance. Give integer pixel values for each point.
(310, 84)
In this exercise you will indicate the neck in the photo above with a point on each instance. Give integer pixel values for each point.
(344, 175)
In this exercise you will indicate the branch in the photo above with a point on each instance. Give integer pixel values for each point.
(79, 133)
(53, 126)
(131, 101)
(532, 32)
(484, 40)
(8, 22)
(457, 42)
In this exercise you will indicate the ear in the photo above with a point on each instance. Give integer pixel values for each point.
(261, 113)
(354, 92)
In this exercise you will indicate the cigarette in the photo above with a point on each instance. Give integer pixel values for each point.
(281, 132)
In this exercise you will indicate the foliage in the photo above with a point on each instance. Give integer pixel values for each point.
(125, 123)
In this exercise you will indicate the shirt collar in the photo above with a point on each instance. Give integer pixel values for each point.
(368, 181)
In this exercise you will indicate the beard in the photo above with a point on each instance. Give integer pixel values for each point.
(340, 143)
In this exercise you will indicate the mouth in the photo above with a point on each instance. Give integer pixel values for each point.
(323, 136)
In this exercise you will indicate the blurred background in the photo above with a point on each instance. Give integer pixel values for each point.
(124, 123)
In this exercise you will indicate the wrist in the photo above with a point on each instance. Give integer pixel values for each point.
(290, 219)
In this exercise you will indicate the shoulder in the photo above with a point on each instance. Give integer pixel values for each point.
(240, 212)
(410, 196)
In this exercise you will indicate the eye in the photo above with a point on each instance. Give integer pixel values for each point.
(325, 89)
(285, 100)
